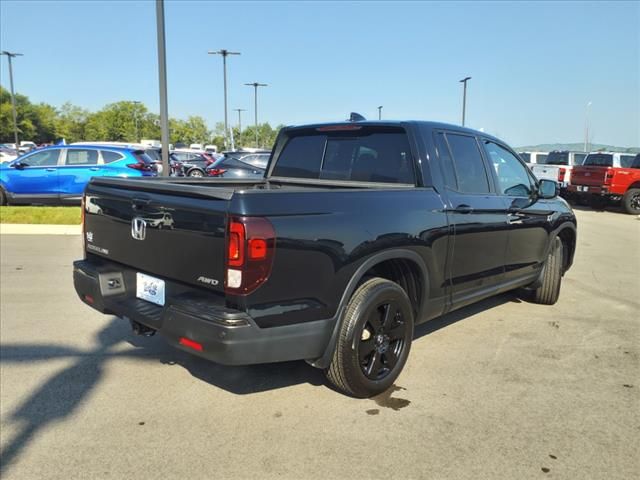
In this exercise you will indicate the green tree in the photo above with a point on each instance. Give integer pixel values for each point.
(71, 122)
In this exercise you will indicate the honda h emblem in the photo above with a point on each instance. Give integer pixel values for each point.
(138, 228)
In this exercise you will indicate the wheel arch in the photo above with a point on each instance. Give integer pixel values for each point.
(390, 264)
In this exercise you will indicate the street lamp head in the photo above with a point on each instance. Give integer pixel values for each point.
(465, 79)
(11, 54)
(224, 52)
(256, 84)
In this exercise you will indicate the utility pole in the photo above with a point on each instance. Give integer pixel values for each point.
(586, 128)
(135, 118)
(224, 54)
(10, 55)
(380, 112)
(239, 110)
(464, 97)
(162, 75)
(255, 85)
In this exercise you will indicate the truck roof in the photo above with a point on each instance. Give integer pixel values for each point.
(393, 123)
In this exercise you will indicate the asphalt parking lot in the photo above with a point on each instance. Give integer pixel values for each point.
(502, 389)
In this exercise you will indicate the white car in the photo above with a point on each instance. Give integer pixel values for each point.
(558, 166)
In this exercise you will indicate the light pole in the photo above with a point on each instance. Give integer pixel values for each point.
(224, 54)
(10, 55)
(135, 117)
(162, 76)
(380, 112)
(239, 110)
(255, 85)
(586, 127)
(464, 97)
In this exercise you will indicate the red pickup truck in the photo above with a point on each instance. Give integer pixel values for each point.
(608, 178)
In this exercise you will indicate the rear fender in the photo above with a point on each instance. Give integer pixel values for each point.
(354, 282)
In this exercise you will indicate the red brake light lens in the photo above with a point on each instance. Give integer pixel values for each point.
(236, 244)
(187, 342)
(250, 251)
(561, 174)
(257, 249)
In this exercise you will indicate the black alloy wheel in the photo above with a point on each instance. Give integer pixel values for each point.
(382, 341)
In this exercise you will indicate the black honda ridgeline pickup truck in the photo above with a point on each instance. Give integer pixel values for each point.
(358, 232)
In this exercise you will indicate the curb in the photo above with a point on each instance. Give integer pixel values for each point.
(30, 229)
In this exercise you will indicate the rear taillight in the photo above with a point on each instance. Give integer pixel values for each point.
(608, 177)
(561, 174)
(216, 172)
(250, 251)
(141, 165)
(84, 230)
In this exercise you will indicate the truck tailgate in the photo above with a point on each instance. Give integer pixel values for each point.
(589, 175)
(546, 172)
(158, 231)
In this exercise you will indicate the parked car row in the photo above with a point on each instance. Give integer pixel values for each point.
(59, 174)
(607, 178)
(597, 178)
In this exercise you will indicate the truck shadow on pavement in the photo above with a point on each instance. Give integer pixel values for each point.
(59, 396)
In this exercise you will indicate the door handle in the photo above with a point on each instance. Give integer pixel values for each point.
(463, 208)
(51, 169)
(94, 169)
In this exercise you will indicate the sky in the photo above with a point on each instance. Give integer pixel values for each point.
(534, 65)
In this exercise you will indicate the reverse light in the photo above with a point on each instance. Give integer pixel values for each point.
(250, 251)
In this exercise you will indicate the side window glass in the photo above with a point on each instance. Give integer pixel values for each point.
(626, 161)
(81, 157)
(526, 157)
(109, 157)
(47, 158)
(579, 158)
(448, 169)
(513, 178)
(470, 170)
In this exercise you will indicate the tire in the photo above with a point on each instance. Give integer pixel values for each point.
(3, 198)
(549, 290)
(196, 173)
(374, 339)
(631, 201)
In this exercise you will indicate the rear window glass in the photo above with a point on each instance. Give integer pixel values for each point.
(579, 158)
(558, 158)
(109, 157)
(143, 157)
(367, 155)
(599, 159)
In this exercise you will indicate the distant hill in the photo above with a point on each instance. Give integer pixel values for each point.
(579, 147)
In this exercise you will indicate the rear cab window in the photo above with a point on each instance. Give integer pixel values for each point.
(347, 153)
(558, 158)
(599, 160)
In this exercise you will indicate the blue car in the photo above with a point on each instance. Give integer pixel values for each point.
(58, 174)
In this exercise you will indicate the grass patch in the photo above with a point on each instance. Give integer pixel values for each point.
(41, 215)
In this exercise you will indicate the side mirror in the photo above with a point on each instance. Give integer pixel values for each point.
(19, 165)
(548, 189)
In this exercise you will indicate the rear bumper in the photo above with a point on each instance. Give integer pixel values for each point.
(225, 336)
(595, 190)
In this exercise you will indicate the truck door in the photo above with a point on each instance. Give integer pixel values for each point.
(478, 218)
(529, 218)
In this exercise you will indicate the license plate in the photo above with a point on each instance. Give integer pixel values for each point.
(150, 289)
